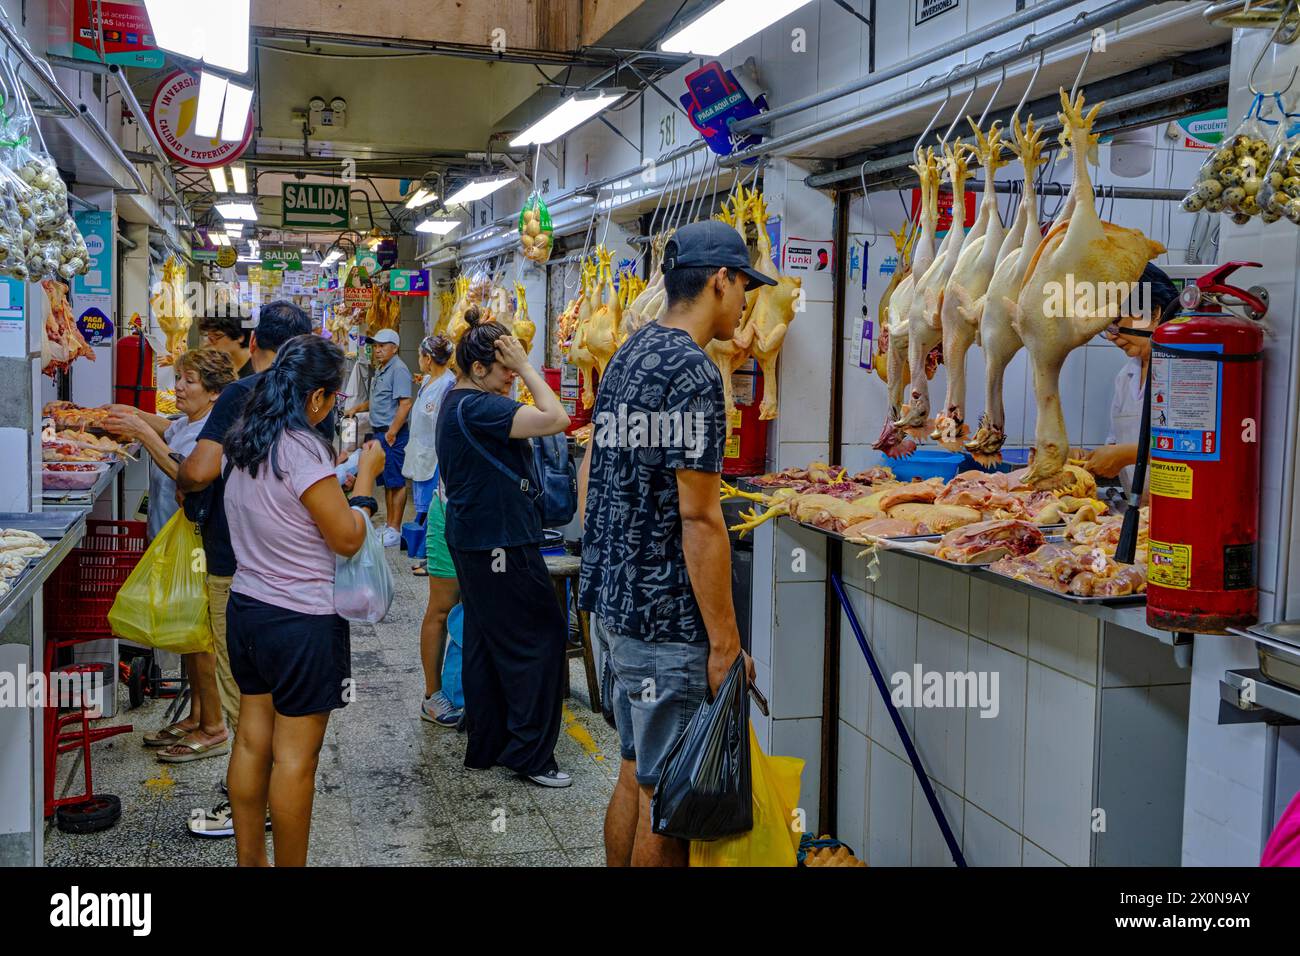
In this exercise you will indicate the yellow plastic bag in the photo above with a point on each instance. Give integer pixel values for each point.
(164, 603)
(774, 840)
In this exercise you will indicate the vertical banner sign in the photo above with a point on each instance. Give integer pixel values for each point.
(13, 330)
(714, 99)
(811, 260)
(945, 210)
(97, 228)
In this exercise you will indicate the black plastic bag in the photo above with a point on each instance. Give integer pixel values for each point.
(704, 792)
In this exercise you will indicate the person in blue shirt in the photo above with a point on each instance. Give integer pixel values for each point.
(391, 397)
(514, 629)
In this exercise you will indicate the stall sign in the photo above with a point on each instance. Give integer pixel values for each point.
(413, 282)
(1204, 130)
(804, 256)
(126, 36)
(368, 260)
(95, 327)
(282, 260)
(227, 257)
(173, 111)
(315, 206)
(13, 329)
(713, 100)
(96, 227)
(203, 255)
(356, 289)
(929, 9)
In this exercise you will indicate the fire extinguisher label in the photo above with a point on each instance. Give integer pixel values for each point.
(1186, 405)
(1169, 565)
(1238, 567)
(732, 449)
(1171, 479)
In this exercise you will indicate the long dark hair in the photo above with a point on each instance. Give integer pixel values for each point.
(278, 404)
(479, 343)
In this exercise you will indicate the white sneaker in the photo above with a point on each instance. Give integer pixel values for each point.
(391, 538)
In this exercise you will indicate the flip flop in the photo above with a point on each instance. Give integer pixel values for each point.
(420, 572)
(171, 734)
(196, 751)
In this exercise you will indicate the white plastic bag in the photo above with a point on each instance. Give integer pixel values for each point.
(363, 584)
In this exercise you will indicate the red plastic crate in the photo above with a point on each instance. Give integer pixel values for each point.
(80, 592)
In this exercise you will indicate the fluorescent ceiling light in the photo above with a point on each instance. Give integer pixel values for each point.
(221, 238)
(234, 120)
(305, 250)
(212, 93)
(235, 230)
(238, 210)
(226, 31)
(479, 189)
(439, 227)
(239, 176)
(219, 183)
(176, 28)
(421, 197)
(212, 31)
(569, 114)
(726, 24)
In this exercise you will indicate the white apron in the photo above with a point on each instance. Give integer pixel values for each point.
(1126, 413)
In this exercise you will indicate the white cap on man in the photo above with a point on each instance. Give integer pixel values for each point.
(384, 337)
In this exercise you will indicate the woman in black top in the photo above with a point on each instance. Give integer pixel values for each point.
(514, 633)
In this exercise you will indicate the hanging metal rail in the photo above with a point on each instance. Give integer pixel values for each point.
(961, 44)
(1084, 23)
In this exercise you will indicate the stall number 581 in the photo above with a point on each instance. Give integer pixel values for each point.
(668, 131)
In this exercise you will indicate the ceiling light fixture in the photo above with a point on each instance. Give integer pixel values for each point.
(234, 119)
(479, 189)
(568, 115)
(238, 209)
(439, 227)
(219, 183)
(215, 33)
(212, 94)
(239, 176)
(421, 197)
(726, 24)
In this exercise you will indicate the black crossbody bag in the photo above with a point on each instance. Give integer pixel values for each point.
(531, 488)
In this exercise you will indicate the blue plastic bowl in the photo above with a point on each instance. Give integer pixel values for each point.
(926, 463)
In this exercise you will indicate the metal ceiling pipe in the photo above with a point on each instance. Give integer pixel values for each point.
(959, 45)
(128, 95)
(74, 109)
(1155, 94)
(1084, 23)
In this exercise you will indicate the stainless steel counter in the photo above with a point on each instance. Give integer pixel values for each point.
(64, 539)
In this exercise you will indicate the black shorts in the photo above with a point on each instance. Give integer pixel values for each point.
(304, 661)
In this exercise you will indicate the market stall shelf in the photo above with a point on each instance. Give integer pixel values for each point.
(64, 531)
(87, 497)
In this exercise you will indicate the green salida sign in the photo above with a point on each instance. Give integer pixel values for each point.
(280, 260)
(315, 206)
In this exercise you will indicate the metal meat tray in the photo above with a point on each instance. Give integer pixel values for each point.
(1124, 600)
(839, 537)
(1280, 658)
(50, 525)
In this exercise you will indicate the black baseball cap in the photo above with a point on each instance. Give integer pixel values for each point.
(711, 244)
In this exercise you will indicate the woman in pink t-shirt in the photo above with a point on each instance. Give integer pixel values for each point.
(289, 651)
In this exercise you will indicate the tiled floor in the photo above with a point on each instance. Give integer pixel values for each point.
(391, 788)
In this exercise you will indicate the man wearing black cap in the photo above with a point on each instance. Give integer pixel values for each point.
(656, 560)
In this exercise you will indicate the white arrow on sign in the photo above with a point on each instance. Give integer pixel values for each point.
(318, 218)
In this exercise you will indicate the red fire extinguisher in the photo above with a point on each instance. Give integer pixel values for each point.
(134, 382)
(1203, 551)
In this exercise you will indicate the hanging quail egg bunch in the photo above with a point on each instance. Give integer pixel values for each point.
(1279, 193)
(1230, 179)
(16, 229)
(56, 249)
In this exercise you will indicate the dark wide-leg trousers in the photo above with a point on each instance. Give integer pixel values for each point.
(514, 658)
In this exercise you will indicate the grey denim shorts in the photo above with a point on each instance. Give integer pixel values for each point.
(654, 688)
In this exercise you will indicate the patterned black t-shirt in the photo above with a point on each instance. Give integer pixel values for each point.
(660, 408)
